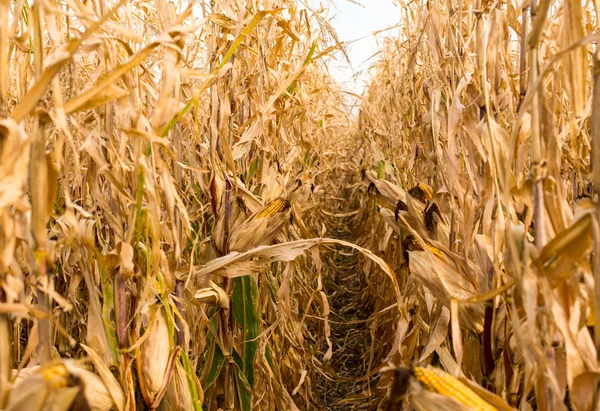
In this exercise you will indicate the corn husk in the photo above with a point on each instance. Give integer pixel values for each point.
(178, 396)
(154, 354)
(58, 386)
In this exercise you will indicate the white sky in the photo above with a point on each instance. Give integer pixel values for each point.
(352, 22)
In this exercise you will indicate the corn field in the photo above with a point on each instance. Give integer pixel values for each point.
(194, 217)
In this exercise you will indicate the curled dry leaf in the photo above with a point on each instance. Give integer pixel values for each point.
(584, 389)
(214, 295)
(123, 254)
(560, 255)
(447, 283)
(111, 383)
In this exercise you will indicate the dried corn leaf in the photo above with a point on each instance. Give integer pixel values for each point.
(213, 295)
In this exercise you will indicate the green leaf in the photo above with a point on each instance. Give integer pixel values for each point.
(307, 60)
(269, 358)
(252, 171)
(381, 170)
(244, 302)
(244, 307)
(242, 385)
(187, 366)
(216, 359)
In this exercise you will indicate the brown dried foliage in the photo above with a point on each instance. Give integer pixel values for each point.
(180, 188)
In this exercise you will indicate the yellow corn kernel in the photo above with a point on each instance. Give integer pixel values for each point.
(56, 375)
(275, 206)
(435, 251)
(421, 192)
(432, 249)
(438, 381)
(416, 244)
(427, 190)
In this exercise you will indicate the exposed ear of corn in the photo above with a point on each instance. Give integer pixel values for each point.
(59, 385)
(425, 400)
(412, 244)
(276, 206)
(436, 380)
(421, 192)
(434, 250)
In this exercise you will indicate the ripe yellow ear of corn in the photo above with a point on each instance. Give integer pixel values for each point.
(60, 385)
(275, 206)
(421, 192)
(56, 375)
(435, 251)
(414, 245)
(438, 381)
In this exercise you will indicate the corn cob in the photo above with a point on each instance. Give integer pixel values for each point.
(413, 244)
(434, 250)
(421, 192)
(275, 206)
(56, 375)
(442, 383)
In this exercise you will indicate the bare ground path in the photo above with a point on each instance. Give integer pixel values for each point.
(350, 310)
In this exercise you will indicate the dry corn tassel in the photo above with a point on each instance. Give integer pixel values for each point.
(438, 381)
(274, 207)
